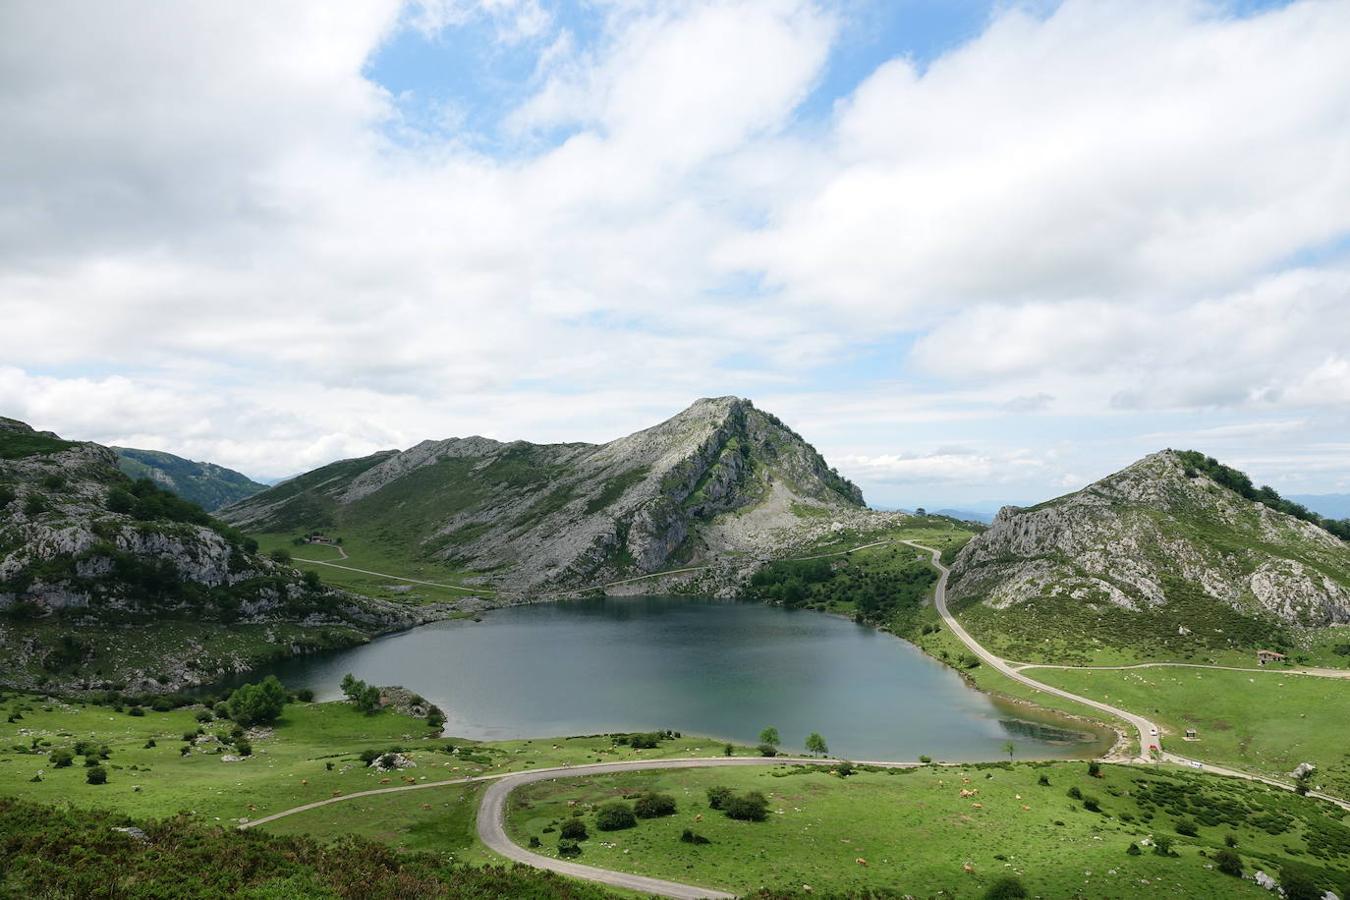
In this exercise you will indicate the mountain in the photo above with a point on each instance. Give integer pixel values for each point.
(721, 478)
(105, 579)
(1165, 554)
(1333, 506)
(965, 515)
(205, 484)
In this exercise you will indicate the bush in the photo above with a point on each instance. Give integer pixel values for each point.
(280, 555)
(96, 775)
(261, 703)
(221, 710)
(91, 761)
(727, 750)
(1044, 780)
(136, 711)
(689, 837)
(1075, 793)
(365, 697)
(750, 807)
(1007, 888)
(767, 750)
(1092, 804)
(1229, 863)
(1230, 840)
(1187, 827)
(644, 741)
(61, 759)
(615, 817)
(304, 695)
(844, 769)
(1298, 884)
(574, 829)
(925, 759)
(1095, 769)
(1162, 846)
(244, 748)
(1133, 849)
(652, 805)
(718, 797)
(535, 842)
(150, 744)
(568, 847)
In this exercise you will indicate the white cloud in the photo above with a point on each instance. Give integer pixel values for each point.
(1085, 214)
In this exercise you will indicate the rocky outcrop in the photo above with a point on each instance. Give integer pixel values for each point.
(541, 517)
(1137, 537)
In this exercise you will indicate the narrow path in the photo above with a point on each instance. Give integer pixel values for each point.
(1148, 732)
(1146, 728)
(452, 587)
(1316, 673)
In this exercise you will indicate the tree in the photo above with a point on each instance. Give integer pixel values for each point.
(1007, 888)
(258, 704)
(767, 750)
(61, 759)
(575, 829)
(1009, 748)
(96, 775)
(815, 744)
(615, 817)
(770, 736)
(280, 555)
(365, 697)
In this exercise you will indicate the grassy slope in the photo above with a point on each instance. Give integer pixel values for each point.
(1266, 722)
(363, 554)
(916, 832)
(306, 738)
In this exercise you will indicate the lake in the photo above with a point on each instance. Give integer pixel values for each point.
(700, 666)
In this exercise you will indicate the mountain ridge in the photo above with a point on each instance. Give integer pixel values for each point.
(1164, 540)
(209, 485)
(719, 477)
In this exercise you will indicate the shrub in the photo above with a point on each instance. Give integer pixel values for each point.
(304, 695)
(184, 750)
(767, 750)
(1162, 846)
(1044, 780)
(750, 807)
(244, 748)
(365, 697)
(96, 775)
(162, 704)
(61, 759)
(925, 759)
(644, 741)
(189, 736)
(1092, 804)
(1133, 849)
(574, 829)
(1229, 863)
(136, 711)
(534, 841)
(652, 805)
(204, 716)
(844, 769)
(150, 744)
(1297, 884)
(1230, 840)
(1095, 769)
(728, 750)
(1075, 793)
(1187, 827)
(718, 797)
(568, 847)
(615, 817)
(1007, 888)
(280, 555)
(91, 761)
(221, 710)
(689, 837)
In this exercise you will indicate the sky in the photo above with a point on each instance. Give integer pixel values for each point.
(972, 251)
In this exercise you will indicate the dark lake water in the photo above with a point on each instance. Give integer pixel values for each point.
(699, 666)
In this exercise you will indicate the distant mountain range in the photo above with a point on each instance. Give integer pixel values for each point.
(722, 480)
(208, 485)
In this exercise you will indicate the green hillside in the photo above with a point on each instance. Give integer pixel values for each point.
(205, 484)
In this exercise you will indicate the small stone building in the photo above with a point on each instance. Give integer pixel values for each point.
(1268, 656)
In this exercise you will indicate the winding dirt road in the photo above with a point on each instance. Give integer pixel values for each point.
(1148, 731)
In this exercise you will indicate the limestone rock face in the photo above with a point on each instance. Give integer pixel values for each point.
(720, 477)
(1135, 537)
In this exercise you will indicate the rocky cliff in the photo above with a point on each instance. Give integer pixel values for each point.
(722, 477)
(84, 548)
(1152, 538)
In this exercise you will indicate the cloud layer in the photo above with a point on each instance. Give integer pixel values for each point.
(220, 236)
